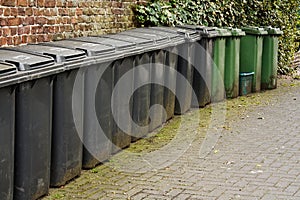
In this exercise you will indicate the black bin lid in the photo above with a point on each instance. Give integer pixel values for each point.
(188, 34)
(58, 53)
(6, 69)
(170, 35)
(119, 45)
(157, 39)
(25, 61)
(91, 49)
(205, 31)
(127, 38)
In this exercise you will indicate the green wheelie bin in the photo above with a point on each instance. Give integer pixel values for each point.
(270, 58)
(218, 67)
(232, 63)
(251, 54)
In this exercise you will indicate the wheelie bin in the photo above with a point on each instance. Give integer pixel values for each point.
(270, 58)
(66, 151)
(171, 58)
(157, 61)
(120, 138)
(98, 83)
(186, 54)
(203, 64)
(218, 67)
(9, 78)
(141, 95)
(232, 63)
(33, 114)
(251, 54)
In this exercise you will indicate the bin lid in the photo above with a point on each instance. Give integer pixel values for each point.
(156, 39)
(273, 31)
(205, 31)
(223, 32)
(127, 38)
(119, 45)
(25, 61)
(91, 49)
(6, 69)
(59, 54)
(169, 35)
(236, 31)
(253, 30)
(188, 34)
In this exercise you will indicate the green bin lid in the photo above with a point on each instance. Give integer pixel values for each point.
(273, 31)
(253, 30)
(236, 31)
(223, 32)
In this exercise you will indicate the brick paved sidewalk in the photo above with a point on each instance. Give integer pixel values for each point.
(256, 156)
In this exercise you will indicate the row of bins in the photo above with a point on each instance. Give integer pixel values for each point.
(71, 104)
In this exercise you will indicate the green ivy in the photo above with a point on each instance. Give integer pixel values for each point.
(234, 13)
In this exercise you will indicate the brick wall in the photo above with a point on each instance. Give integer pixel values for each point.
(31, 21)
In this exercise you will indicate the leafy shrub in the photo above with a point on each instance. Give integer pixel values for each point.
(235, 13)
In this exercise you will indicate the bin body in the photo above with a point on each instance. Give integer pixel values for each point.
(270, 59)
(251, 54)
(245, 83)
(33, 123)
(33, 138)
(122, 138)
(204, 64)
(156, 65)
(98, 80)
(218, 67)
(141, 95)
(66, 151)
(7, 130)
(232, 63)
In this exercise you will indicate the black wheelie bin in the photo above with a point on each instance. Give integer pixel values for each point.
(98, 82)
(157, 62)
(9, 78)
(33, 123)
(122, 68)
(67, 124)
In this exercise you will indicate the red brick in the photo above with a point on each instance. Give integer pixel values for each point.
(22, 3)
(14, 12)
(24, 30)
(50, 3)
(31, 39)
(28, 21)
(21, 11)
(117, 11)
(49, 29)
(51, 21)
(6, 12)
(63, 11)
(13, 31)
(3, 41)
(17, 40)
(40, 3)
(28, 11)
(13, 21)
(8, 2)
(40, 38)
(10, 41)
(79, 11)
(24, 39)
(1, 11)
(41, 20)
(5, 31)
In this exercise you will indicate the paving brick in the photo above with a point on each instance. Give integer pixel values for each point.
(256, 159)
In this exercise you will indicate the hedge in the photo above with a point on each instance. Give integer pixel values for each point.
(235, 13)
